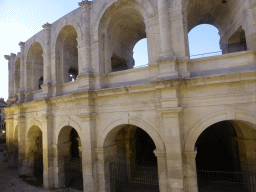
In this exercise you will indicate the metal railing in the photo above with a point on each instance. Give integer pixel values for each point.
(205, 54)
(140, 66)
(218, 181)
(127, 178)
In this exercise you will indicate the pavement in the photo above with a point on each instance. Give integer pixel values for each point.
(11, 182)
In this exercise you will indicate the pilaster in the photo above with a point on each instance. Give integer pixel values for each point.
(100, 169)
(21, 95)
(59, 153)
(249, 26)
(170, 119)
(9, 132)
(177, 30)
(47, 134)
(8, 57)
(189, 170)
(47, 61)
(162, 167)
(84, 50)
(88, 141)
(22, 145)
(164, 23)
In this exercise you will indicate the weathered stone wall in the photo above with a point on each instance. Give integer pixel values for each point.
(173, 99)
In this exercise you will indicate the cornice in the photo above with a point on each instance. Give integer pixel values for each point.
(86, 116)
(220, 79)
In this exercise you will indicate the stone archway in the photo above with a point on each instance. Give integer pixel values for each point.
(244, 119)
(35, 153)
(129, 160)
(226, 156)
(69, 159)
(66, 55)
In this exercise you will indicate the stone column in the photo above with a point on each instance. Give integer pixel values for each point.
(21, 95)
(100, 170)
(164, 23)
(185, 28)
(177, 30)
(171, 130)
(86, 67)
(47, 135)
(22, 145)
(9, 133)
(249, 26)
(88, 144)
(247, 153)
(47, 54)
(47, 61)
(84, 50)
(8, 57)
(190, 174)
(60, 151)
(162, 170)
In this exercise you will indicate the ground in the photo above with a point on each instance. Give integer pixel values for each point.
(10, 181)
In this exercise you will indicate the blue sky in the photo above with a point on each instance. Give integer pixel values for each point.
(21, 19)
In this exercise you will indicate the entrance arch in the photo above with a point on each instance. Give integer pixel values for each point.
(35, 153)
(226, 157)
(242, 122)
(129, 159)
(69, 159)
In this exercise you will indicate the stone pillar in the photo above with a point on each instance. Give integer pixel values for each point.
(8, 57)
(223, 45)
(47, 134)
(84, 49)
(21, 95)
(171, 130)
(177, 30)
(162, 170)
(100, 170)
(249, 26)
(164, 23)
(22, 145)
(47, 54)
(190, 174)
(88, 144)
(9, 132)
(47, 61)
(60, 152)
(185, 28)
(247, 153)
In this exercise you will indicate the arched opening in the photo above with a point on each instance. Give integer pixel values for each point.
(34, 68)
(66, 55)
(222, 162)
(35, 153)
(237, 41)
(140, 53)
(204, 41)
(118, 45)
(129, 161)
(70, 159)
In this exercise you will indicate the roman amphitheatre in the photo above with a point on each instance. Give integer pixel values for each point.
(80, 115)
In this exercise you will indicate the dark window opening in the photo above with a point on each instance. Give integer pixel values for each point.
(40, 82)
(144, 149)
(73, 72)
(118, 63)
(74, 151)
(237, 41)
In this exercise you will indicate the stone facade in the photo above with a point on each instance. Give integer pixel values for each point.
(77, 74)
(2, 115)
